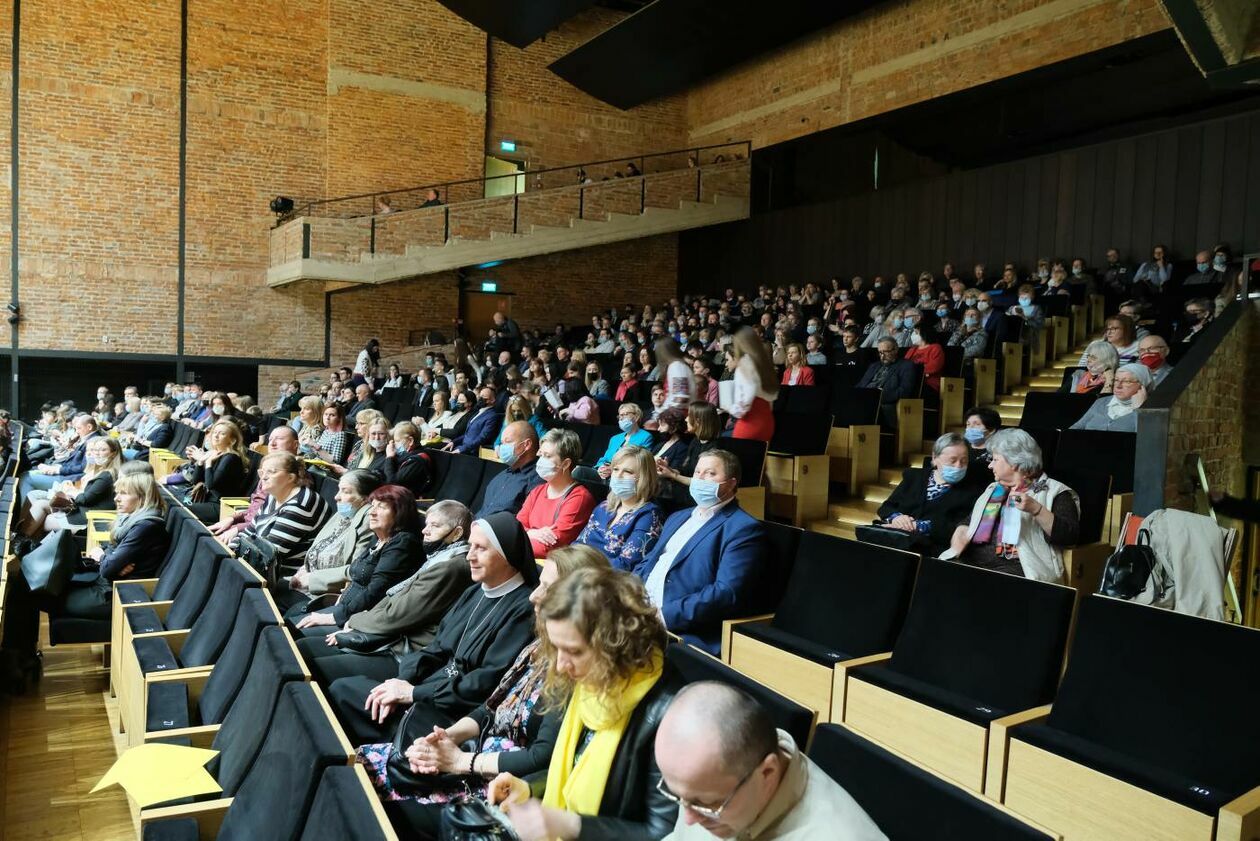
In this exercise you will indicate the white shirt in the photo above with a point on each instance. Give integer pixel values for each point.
(655, 583)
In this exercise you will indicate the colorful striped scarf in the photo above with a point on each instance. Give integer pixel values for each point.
(989, 517)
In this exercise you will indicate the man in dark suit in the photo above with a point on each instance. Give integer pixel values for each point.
(709, 559)
(292, 396)
(895, 377)
(483, 427)
(422, 406)
(362, 400)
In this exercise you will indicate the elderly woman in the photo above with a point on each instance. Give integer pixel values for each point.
(928, 504)
(393, 556)
(513, 733)
(1118, 413)
(556, 511)
(1100, 362)
(309, 424)
(293, 513)
(970, 335)
(979, 424)
(344, 536)
(157, 433)
(625, 525)
(1021, 523)
(629, 421)
(615, 694)
(1120, 333)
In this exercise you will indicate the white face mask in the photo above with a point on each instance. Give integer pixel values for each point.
(546, 468)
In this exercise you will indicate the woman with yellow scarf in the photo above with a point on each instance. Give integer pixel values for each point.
(602, 649)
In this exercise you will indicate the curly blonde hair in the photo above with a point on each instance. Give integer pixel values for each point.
(612, 612)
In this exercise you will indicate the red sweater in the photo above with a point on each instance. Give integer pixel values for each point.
(567, 515)
(806, 376)
(932, 358)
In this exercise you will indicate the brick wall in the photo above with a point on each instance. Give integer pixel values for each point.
(571, 286)
(900, 53)
(1209, 417)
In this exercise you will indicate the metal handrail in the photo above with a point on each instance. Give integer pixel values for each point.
(308, 208)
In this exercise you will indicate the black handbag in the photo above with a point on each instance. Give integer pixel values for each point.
(472, 819)
(398, 768)
(49, 566)
(1130, 568)
(260, 554)
(892, 538)
(365, 643)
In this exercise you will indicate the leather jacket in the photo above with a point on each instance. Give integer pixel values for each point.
(633, 809)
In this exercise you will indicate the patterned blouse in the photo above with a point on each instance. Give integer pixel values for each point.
(626, 539)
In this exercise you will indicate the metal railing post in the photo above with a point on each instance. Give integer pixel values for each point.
(581, 200)
(306, 240)
(372, 236)
(516, 211)
(642, 194)
(446, 222)
(699, 175)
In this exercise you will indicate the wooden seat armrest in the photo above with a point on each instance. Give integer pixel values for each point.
(208, 814)
(149, 584)
(173, 638)
(728, 630)
(840, 681)
(161, 608)
(200, 737)
(1239, 819)
(999, 745)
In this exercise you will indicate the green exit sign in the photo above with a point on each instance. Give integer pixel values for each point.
(507, 145)
(489, 286)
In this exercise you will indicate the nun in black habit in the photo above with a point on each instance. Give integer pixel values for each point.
(476, 642)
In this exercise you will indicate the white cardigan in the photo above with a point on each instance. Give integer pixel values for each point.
(1040, 560)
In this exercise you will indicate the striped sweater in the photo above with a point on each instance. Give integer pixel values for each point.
(292, 525)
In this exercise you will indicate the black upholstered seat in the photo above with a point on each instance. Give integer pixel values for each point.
(343, 809)
(905, 801)
(191, 598)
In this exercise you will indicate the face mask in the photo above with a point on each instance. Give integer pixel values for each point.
(1025, 302)
(625, 424)
(100, 397)
(970, 321)
(1203, 267)
(926, 296)
(916, 339)
(217, 410)
(941, 312)
(844, 296)
(431, 546)
(982, 305)
(1076, 271)
(974, 435)
(704, 492)
(546, 468)
(1094, 368)
(97, 459)
(624, 488)
(811, 329)
(956, 297)
(953, 475)
(1151, 360)
(379, 446)
(1043, 273)
(345, 509)
(144, 410)
(969, 302)
(897, 322)
(1193, 317)
(1219, 262)
(507, 454)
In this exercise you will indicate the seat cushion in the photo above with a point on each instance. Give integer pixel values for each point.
(954, 703)
(167, 708)
(68, 631)
(131, 593)
(792, 644)
(173, 829)
(144, 620)
(1205, 796)
(154, 654)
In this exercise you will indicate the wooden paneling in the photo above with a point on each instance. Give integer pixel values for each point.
(1188, 188)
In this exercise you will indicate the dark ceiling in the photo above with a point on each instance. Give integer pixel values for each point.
(671, 45)
(1137, 87)
(523, 23)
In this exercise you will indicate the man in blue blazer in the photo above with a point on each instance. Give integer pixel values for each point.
(482, 429)
(709, 559)
(71, 468)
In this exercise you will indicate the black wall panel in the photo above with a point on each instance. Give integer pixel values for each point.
(1187, 187)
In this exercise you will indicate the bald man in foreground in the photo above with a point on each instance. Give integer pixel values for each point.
(734, 775)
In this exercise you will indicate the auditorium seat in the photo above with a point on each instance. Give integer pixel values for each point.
(163, 648)
(1145, 739)
(797, 464)
(1054, 410)
(1084, 562)
(752, 470)
(844, 601)
(853, 443)
(908, 802)
(346, 806)
(276, 795)
(976, 648)
(168, 696)
(597, 444)
(695, 665)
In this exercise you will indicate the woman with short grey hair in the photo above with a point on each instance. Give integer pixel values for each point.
(928, 504)
(1100, 361)
(556, 511)
(1021, 523)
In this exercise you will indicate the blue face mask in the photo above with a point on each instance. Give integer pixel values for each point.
(704, 492)
(507, 454)
(941, 312)
(1025, 302)
(624, 488)
(811, 329)
(897, 323)
(974, 435)
(345, 509)
(1203, 267)
(625, 424)
(953, 475)
(970, 321)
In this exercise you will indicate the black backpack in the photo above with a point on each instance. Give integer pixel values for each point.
(1129, 569)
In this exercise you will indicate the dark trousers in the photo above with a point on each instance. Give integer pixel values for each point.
(22, 607)
(348, 696)
(329, 663)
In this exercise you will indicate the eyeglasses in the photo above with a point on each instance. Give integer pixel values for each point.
(704, 811)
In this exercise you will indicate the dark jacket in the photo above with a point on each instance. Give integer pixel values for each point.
(225, 476)
(899, 383)
(633, 809)
(422, 405)
(160, 436)
(480, 432)
(507, 491)
(414, 471)
(97, 495)
(290, 403)
(946, 511)
(143, 547)
(375, 571)
(360, 406)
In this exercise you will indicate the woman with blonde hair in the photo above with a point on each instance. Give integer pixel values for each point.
(309, 424)
(513, 733)
(756, 387)
(219, 470)
(626, 525)
(602, 649)
(68, 502)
